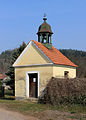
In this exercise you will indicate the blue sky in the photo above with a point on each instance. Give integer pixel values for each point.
(20, 19)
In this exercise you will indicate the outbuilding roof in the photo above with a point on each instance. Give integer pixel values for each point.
(2, 76)
(54, 55)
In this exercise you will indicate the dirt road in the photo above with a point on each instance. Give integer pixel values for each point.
(9, 115)
(45, 115)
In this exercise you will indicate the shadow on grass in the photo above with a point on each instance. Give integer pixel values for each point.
(10, 98)
(7, 97)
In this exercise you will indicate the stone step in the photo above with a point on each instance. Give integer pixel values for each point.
(33, 99)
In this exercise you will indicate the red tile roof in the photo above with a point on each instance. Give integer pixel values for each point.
(2, 76)
(54, 55)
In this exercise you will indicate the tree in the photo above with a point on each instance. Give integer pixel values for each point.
(1, 89)
(10, 72)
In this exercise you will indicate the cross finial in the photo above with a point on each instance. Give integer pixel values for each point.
(44, 17)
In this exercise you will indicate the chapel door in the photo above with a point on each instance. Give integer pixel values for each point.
(33, 85)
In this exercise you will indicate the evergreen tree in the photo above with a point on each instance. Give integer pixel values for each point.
(10, 72)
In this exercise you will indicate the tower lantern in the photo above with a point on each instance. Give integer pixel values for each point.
(45, 33)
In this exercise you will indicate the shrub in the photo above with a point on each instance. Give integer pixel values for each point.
(65, 91)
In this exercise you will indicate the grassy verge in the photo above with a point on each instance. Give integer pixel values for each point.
(27, 107)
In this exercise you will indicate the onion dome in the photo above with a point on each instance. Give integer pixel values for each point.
(45, 27)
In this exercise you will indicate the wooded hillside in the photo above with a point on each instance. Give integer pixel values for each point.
(78, 57)
(5, 58)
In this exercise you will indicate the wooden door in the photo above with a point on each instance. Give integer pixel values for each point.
(33, 85)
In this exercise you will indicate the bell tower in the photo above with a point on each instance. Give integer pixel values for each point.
(45, 34)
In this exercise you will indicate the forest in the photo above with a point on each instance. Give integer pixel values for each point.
(78, 57)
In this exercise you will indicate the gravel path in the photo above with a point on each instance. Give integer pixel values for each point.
(9, 115)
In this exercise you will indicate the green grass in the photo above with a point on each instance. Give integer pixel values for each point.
(70, 108)
(73, 117)
(78, 117)
(26, 105)
(23, 106)
(34, 109)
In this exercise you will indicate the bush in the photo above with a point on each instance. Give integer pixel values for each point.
(65, 91)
